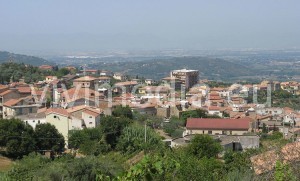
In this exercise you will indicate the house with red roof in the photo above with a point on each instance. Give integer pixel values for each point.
(215, 110)
(218, 126)
(124, 87)
(21, 106)
(86, 82)
(7, 95)
(46, 67)
(75, 118)
(24, 90)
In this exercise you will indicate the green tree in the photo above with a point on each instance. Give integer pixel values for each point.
(152, 168)
(121, 111)
(111, 128)
(198, 113)
(48, 138)
(132, 140)
(264, 128)
(16, 137)
(174, 127)
(204, 146)
(283, 172)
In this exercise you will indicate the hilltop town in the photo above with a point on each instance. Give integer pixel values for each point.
(174, 109)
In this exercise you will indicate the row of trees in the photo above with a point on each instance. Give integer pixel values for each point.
(16, 71)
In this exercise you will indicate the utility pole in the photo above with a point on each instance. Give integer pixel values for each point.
(145, 131)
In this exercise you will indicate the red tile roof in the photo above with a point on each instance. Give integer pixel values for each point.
(214, 108)
(24, 90)
(46, 67)
(218, 124)
(76, 108)
(85, 78)
(126, 83)
(6, 92)
(92, 112)
(89, 70)
(59, 111)
(77, 93)
(214, 97)
(3, 86)
(12, 102)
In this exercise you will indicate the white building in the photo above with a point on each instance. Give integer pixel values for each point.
(33, 119)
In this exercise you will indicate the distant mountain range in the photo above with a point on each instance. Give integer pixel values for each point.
(18, 58)
(211, 68)
(245, 67)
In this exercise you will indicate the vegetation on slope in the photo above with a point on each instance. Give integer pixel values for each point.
(17, 58)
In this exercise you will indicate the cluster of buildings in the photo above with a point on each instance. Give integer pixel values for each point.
(92, 96)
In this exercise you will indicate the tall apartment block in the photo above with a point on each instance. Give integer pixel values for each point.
(187, 77)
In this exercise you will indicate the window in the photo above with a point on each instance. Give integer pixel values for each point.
(90, 122)
(30, 110)
(33, 121)
(209, 132)
(223, 132)
(39, 121)
(19, 111)
(90, 117)
(54, 116)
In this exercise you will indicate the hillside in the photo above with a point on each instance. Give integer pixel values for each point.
(211, 68)
(18, 58)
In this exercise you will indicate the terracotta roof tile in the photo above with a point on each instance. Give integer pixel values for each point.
(24, 89)
(214, 108)
(76, 108)
(12, 102)
(59, 111)
(6, 92)
(77, 93)
(126, 83)
(92, 112)
(220, 124)
(85, 78)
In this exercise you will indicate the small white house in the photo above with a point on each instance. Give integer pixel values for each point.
(33, 119)
(274, 111)
(214, 110)
(91, 118)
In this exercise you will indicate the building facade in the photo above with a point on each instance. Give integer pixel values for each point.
(187, 77)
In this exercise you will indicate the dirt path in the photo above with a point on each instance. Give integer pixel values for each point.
(5, 163)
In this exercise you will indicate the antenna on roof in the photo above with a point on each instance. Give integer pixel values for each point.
(84, 69)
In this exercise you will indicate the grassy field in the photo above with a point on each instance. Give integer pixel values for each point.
(5, 163)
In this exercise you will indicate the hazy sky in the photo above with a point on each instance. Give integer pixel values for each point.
(94, 25)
